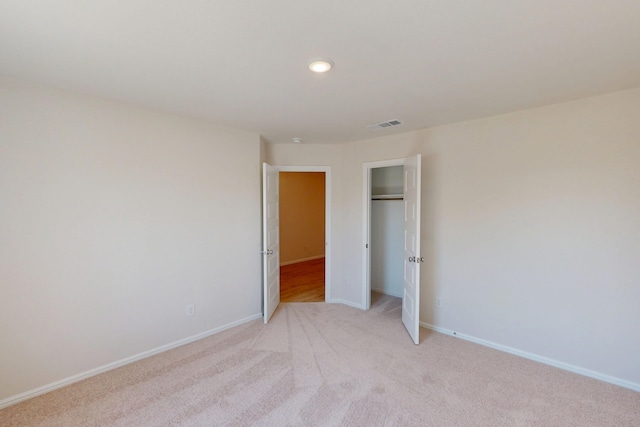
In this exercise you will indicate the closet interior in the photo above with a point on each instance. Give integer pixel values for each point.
(387, 223)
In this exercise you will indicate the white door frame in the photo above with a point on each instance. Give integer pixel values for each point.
(327, 219)
(366, 221)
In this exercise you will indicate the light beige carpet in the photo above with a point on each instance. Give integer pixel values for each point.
(332, 365)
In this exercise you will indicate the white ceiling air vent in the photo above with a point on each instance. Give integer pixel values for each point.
(383, 125)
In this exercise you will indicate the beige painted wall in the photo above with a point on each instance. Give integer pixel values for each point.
(112, 219)
(533, 231)
(530, 228)
(301, 216)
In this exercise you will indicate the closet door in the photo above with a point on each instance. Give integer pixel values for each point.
(270, 239)
(412, 258)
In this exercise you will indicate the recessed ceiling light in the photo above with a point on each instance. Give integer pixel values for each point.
(320, 65)
(297, 140)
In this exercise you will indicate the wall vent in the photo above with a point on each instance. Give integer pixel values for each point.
(383, 125)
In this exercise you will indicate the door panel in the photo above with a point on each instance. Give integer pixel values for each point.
(412, 259)
(270, 240)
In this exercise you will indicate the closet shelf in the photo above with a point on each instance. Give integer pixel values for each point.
(387, 196)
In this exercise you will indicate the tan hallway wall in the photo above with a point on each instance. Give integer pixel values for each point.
(302, 216)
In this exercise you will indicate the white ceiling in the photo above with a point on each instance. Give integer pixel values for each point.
(242, 63)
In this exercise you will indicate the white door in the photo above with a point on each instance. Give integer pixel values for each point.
(270, 240)
(412, 258)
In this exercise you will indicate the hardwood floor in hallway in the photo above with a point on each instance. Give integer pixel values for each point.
(302, 282)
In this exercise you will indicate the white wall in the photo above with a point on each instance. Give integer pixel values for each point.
(530, 229)
(387, 180)
(386, 231)
(387, 246)
(112, 219)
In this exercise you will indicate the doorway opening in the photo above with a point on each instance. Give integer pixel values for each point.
(391, 249)
(318, 269)
(384, 227)
(271, 233)
(302, 236)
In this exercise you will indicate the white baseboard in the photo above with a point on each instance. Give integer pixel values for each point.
(119, 363)
(345, 302)
(295, 261)
(547, 361)
(393, 294)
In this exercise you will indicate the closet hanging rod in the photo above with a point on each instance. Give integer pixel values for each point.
(387, 197)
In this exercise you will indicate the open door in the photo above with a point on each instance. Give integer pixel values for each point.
(412, 258)
(270, 240)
